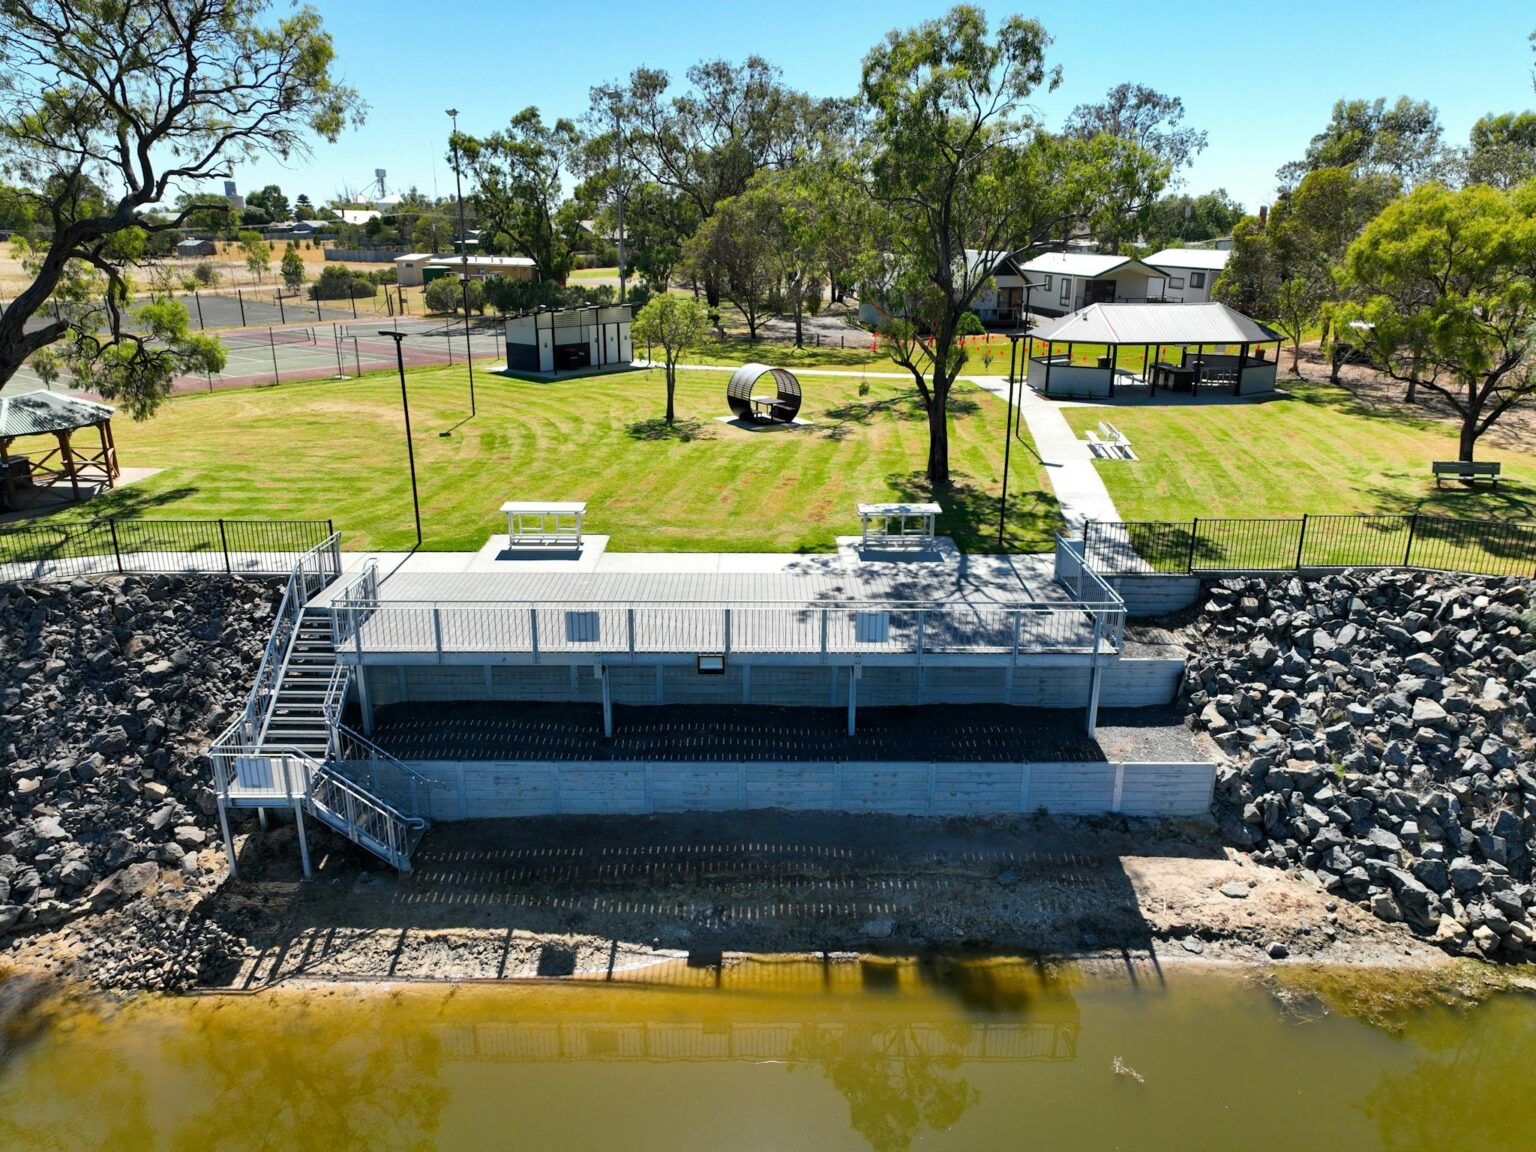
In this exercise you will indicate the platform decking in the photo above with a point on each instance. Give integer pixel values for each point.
(624, 606)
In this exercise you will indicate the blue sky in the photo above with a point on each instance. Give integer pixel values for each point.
(1260, 78)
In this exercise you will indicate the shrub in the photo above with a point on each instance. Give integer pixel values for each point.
(638, 295)
(205, 274)
(338, 283)
(445, 294)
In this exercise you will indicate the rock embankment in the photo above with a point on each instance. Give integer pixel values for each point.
(109, 693)
(1381, 734)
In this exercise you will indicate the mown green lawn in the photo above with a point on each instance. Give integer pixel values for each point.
(336, 450)
(1319, 451)
(857, 351)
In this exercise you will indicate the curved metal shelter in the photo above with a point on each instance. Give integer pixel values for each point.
(778, 408)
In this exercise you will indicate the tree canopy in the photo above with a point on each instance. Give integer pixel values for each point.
(113, 106)
(519, 195)
(1401, 140)
(954, 175)
(1447, 282)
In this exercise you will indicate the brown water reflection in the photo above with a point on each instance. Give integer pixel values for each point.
(875, 1054)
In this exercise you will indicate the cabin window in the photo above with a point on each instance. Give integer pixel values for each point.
(1045, 285)
(1175, 281)
(1066, 290)
(1197, 279)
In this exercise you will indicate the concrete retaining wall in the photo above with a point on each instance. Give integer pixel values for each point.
(1156, 595)
(1126, 683)
(467, 790)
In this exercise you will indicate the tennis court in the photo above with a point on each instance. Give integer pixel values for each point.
(273, 355)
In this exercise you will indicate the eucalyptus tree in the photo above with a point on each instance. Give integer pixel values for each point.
(1446, 283)
(114, 106)
(955, 175)
(519, 176)
(1144, 144)
(1402, 140)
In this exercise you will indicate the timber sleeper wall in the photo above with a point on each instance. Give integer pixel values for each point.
(478, 789)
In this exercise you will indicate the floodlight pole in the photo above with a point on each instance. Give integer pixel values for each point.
(405, 406)
(1002, 508)
(458, 189)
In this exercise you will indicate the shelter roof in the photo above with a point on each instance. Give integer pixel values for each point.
(31, 413)
(1156, 324)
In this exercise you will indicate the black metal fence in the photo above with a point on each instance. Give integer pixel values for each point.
(129, 544)
(1441, 543)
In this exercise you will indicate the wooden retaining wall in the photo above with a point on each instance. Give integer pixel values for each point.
(478, 789)
(1126, 683)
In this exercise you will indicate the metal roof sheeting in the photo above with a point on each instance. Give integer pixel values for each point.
(32, 413)
(1156, 324)
(1082, 264)
(1200, 259)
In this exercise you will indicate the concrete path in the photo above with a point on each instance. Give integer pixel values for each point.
(1068, 463)
(1078, 486)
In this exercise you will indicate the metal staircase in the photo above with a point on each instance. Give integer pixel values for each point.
(290, 748)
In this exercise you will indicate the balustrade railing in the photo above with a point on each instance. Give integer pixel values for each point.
(833, 630)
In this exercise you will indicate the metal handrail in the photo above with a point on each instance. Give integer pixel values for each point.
(344, 736)
(290, 611)
(366, 816)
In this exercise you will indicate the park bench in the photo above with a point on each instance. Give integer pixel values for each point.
(1468, 470)
(544, 522)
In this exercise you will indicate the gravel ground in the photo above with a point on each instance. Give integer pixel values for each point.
(509, 731)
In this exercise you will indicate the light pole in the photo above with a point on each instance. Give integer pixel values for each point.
(458, 190)
(1002, 507)
(405, 406)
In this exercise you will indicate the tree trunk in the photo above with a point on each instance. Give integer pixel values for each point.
(1296, 356)
(671, 392)
(938, 435)
(799, 312)
(1468, 438)
(1413, 383)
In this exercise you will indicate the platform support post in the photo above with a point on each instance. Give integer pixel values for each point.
(229, 841)
(853, 699)
(298, 815)
(602, 672)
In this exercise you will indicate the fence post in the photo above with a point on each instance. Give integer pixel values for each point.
(1194, 531)
(117, 553)
(533, 631)
(317, 303)
(199, 301)
(282, 315)
(224, 542)
(241, 298)
(272, 343)
(437, 632)
(1413, 527)
(727, 650)
(1301, 540)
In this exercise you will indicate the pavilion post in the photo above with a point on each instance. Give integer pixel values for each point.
(1047, 388)
(1194, 387)
(1242, 362)
(66, 454)
(1114, 350)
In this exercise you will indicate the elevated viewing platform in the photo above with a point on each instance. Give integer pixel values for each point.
(858, 604)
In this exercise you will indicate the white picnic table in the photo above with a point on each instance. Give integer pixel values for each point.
(907, 525)
(544, 521)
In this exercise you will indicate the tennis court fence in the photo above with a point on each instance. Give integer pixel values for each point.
(130, 544)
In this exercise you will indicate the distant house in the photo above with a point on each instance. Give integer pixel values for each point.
(1191, 272)
(1055, 283)
(358, 215)
(193, 247)
(290, 230)
(415, 268)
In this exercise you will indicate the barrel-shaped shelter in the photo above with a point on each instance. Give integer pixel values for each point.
(1128, 350)
(779, 407)
(49, 414)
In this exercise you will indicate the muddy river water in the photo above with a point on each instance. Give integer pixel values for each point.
(775, 1054)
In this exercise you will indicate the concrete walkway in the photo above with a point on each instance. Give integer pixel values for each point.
(1067, 461)
(1079, 489)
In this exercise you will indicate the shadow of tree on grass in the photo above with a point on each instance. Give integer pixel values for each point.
(682, 431)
